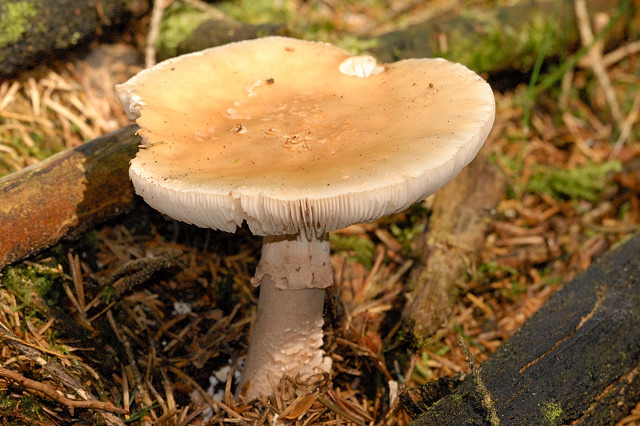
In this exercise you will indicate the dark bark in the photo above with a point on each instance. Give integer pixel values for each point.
(65, 194)
(577, 360)
(31, 30)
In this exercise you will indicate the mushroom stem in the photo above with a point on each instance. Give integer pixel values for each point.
(287, 336)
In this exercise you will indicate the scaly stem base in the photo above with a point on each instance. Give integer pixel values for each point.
(287, 335)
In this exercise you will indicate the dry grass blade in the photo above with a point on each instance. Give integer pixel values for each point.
(340, 410)
(299, 406)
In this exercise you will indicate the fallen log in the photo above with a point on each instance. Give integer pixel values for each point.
(458, 225)
(478, 39)
(577, 360)
(216, 32)
(33, 30)
(65, 194)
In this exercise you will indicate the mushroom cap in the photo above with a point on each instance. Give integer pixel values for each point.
(270, 132)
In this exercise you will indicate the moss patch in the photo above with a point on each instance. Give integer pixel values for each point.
(34, 288)
(15, 20)
(587, 182)
(178, 24)
(484, 49)
(18, 409)
(552, 412)
(356, 247)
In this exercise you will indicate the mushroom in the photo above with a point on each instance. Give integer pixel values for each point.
(296, 139)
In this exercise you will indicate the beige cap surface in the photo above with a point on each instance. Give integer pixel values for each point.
(271, 132)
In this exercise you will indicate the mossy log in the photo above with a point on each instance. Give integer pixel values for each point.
(486, 40)
(65, 194)
(32, 30)
(576, 361)
(505, 38)
(216, 32)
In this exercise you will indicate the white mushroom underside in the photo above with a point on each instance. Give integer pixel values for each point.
(271, 216)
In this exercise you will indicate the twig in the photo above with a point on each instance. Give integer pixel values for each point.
(627, 126)
(125, 388)
(53, 394)
(595, 60)
(168, 391)
(157, 396)
(487, 400)
(154, 32)
(620, 53)
(138, 271)
(142, 392)
(76, 275)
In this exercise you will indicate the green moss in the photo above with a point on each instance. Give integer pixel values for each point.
(552, 412)
(486, 52)
(355, 45)
(107, 294)
(178, 23)
(34, 288)
(587, 182)
(358, 248)
(407, 235)
(16, 409)
(488, 272)
(15, 20)
(258, 11)
(65, 40)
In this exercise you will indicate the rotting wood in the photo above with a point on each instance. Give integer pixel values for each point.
(457, 228)
(65, 194)
(577, 360)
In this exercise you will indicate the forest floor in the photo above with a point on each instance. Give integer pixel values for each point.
(153, 316)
